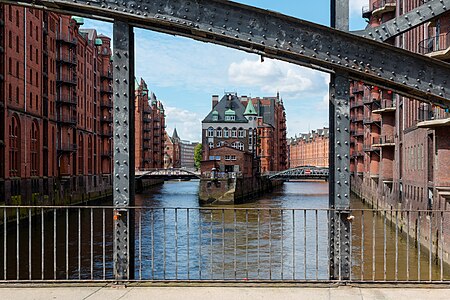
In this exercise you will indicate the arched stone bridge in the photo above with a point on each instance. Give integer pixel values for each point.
(302, 172)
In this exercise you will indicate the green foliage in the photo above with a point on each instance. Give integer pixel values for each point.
(198, 156)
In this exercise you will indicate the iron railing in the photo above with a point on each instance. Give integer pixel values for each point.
(49, 243)
(435, 43)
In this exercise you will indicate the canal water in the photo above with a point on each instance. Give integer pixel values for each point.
(280, 236)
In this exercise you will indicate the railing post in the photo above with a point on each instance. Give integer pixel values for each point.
(123, 180)
(339, 156)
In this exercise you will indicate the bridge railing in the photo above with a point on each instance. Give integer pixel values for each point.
(56, 244)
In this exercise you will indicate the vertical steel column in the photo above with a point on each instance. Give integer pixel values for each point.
(123, 182)
(339, 158)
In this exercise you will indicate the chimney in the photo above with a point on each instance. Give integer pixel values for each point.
(215, 100)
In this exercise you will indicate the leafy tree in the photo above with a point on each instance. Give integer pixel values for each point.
(198, 155)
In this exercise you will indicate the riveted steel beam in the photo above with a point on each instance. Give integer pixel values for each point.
(277, 36)
(401, 24)
(123, 182)
(339, 158)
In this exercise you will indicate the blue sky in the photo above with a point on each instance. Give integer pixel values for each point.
(184, 73)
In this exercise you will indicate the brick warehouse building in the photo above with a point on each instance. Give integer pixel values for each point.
(309, 149)
(55, 142)
(242, 125)
(150, 130)
(400, 147)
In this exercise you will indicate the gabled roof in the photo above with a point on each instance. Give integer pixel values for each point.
(231, 103)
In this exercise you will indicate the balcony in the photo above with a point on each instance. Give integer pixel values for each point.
(106, 104)
(383, 6)
(66, 79)
(106, 75)
(386, 106)
(437, 46)
(358, 118)
(370, 100)
(147, 138)
(429, 117)
(357, 153)
(66, 147)
(66, 119)
(384, 141)
(370, 119)
(66, 99)
(357, 132)
(147, 129)
(368, 145)
(106, 90)
(64, 58)
(66, 39)
(357, 103)
(358, 88)
(147, 120)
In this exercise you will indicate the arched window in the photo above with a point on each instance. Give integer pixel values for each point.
(240, 146)
(14, 147)
(241, 132)
(219, 132)
(34, 149)
(89, 155)
(233, 132)
(226, 133)
(210, 132)
(211, 145)
(80, 151)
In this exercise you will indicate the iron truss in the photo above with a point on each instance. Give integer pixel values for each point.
(277, 36)
(427, 11)
(168, 173)
(302, 172)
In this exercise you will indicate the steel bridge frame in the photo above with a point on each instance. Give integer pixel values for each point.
(334, 50)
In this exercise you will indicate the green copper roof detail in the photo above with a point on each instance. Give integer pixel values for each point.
(78, 20)
(230, 112)
(98, 42)
(136, 84)
(215, 113)
(250, 110)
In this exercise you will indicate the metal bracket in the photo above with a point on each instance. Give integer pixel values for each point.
(426, 12)
(123, 180)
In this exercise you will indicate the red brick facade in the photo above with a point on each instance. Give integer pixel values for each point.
(309, 149)
(53, 145)
(149, 129)
(253, 125)
(172, 151)
(400, 146)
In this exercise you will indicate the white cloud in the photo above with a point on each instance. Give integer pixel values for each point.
(188, 123)
(272, 76)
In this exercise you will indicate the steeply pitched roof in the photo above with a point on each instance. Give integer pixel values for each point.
(175, 134)
(250, 109)
(228, 102)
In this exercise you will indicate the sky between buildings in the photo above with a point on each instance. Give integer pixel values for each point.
(184, 73)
